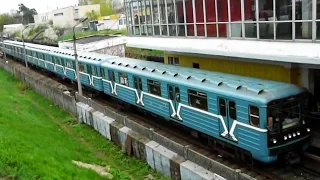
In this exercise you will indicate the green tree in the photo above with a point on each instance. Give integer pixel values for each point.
(92, 15)
(105, 7)
(27, 14)
(5, 19)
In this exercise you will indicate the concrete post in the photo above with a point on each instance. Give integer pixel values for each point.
(307, 79)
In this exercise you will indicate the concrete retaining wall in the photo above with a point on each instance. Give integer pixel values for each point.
(160, 153)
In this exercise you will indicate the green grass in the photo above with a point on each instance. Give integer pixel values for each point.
(146, 51)
(38, 140)
(80, 34)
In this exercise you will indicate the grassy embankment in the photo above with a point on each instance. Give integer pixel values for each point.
(80, 34)
(38, 140)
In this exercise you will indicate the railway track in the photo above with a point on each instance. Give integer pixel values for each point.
(303, 170)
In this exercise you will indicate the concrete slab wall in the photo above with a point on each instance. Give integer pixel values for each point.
(160, 153)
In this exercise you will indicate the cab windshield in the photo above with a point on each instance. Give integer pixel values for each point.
(291, 113)
(286, 113)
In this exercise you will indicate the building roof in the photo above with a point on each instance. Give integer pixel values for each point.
(93, 43)
(90, 39)
(292, 52)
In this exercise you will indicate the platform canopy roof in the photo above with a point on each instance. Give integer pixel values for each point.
(289, 52)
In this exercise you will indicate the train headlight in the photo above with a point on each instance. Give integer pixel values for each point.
(274, 141)
(294, 134)
(285, 137)
(289, 136)
(308, 130)
(298, 133)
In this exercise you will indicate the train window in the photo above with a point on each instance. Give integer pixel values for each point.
(198, 100)
(177, 93)
(93, 70)
(96, 72)
(123, 79)
(68, 64)
(171, 92)
(63, 61)
(57, 60)
(254, 116)
(137, 83)
(232, 110)
(111, 76)
(81, 67)
(222, 107)
(89, 69)
(154, 87)
(103, 75)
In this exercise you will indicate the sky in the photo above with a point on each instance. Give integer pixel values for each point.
(40, 5)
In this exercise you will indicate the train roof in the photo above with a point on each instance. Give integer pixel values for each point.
(242, 87)
(84, 56)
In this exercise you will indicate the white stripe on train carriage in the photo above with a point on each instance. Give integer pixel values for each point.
(160, 98)
(235, 123)
(74, 72)
(140, 100)
(231, 132)
(204, 112)
(112, 89)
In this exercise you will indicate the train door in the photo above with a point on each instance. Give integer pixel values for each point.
(138, 86)
(227, 109)
(174, 95)
(111, 79)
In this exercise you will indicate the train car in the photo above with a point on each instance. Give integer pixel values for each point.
(262, 118)
(258, 116)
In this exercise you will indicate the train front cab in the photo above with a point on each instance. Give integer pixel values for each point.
(288, 130)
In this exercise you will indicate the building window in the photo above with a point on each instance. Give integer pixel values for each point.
(173, 60)
(198, 100)
(196, 65)
(318, 21)
(123, 79)
(254, 116)
(44, 18)
(58, 14)
(154, 87)
(225, 19)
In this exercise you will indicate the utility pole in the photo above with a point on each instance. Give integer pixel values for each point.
(76, 56)
(24, 47)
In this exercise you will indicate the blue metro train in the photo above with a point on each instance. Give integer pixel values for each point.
(262, 118)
